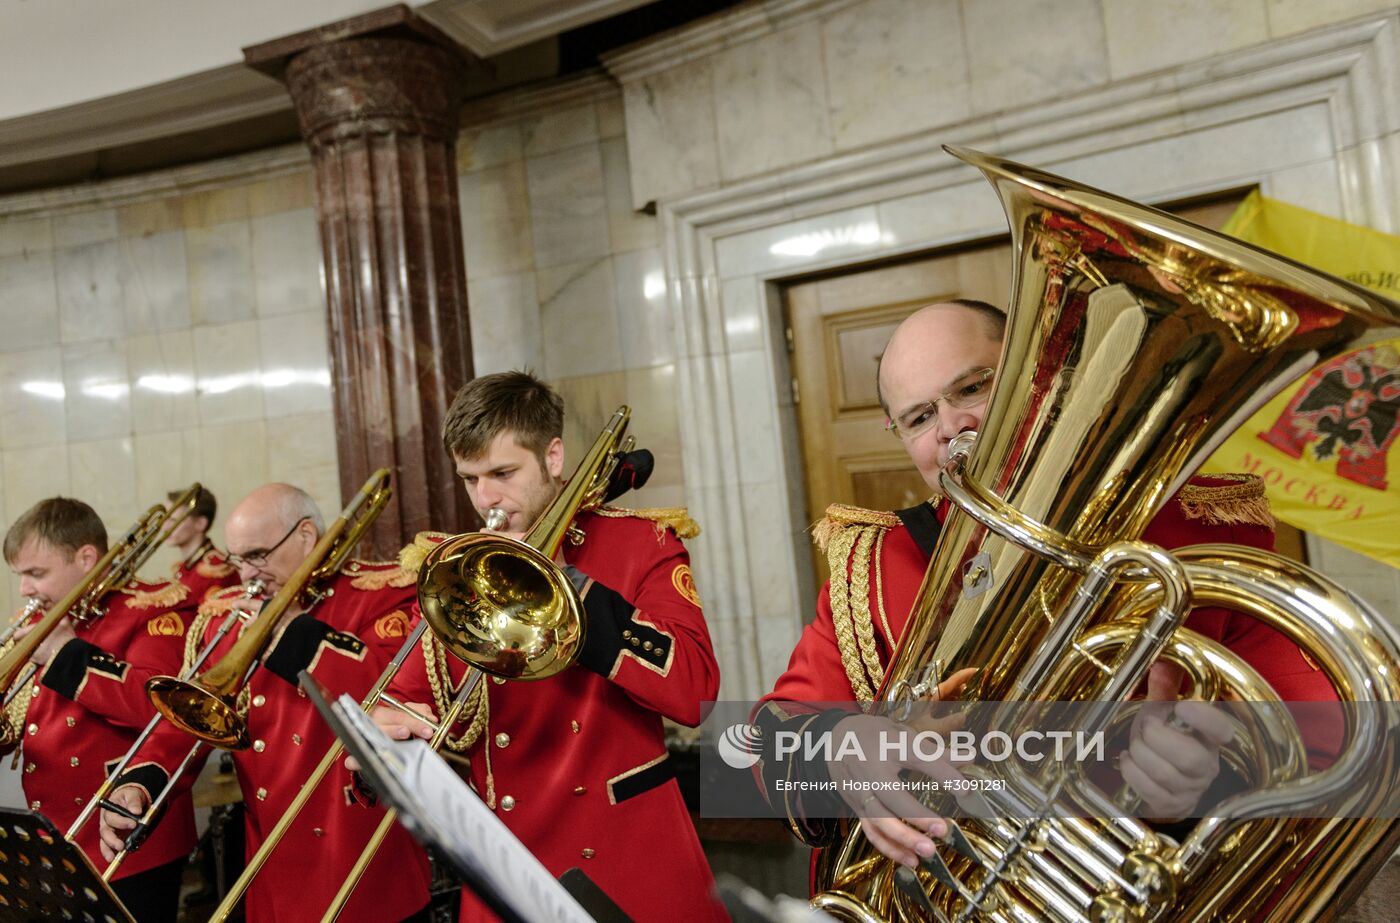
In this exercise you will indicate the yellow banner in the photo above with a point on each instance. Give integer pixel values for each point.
(1323, 446)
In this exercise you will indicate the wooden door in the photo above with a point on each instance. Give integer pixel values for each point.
(837, 326)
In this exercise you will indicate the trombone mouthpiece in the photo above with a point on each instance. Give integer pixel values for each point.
(254, 587)
(496, 519)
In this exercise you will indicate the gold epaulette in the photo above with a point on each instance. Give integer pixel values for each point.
(1241, 502)
(216, 603)
(675, 518)
(840, 517)
(851, 537)
(142, 595)
(220, 599)
(412, 555)
(376, 575)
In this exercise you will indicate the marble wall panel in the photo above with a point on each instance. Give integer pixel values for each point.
(559, 129)
(97, 390)
(78, 229)
(19, 236)
(296, 376)
(32, 398)
(233, 459)
(150, 216)
(156, 294)
(589, 403)
(651, 393)
(628, 229)
(578, 319)
(301, 451)
(287, 262)
(282, 193)
(34, 474)
(612, 120)
(1288, 17)
(220, 273)
(489, 146)
(230, 373)
(90, 280)
(161, 369)
(1314, 186)
(1147, 37)
(215, 206)
(28, 300)
(495, 208)
(882, 80)
(505, 322)
(744, 314)
(169, 461)
(568, 214)
(773, 111)
(1054, 48)
(847, 234)
(671, 134)
(643, 309)
(103, 474)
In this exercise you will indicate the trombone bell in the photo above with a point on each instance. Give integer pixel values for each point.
(210, 717)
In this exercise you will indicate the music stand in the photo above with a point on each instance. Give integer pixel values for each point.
(44, 877)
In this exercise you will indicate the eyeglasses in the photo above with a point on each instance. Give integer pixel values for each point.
(968, 391)
(258, 557)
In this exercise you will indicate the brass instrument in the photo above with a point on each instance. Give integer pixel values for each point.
(21, 618)
(113, 570)
(1136, 343)
(207, 706)
(498, 604)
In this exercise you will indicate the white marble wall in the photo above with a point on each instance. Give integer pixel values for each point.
(163, 340)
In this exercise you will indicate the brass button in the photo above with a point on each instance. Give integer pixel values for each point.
(626, 632)
(29, 767)
(646, 645)
(300, 691)
(636, 642)
(73, 761)
(262, 794)
(259, 746)
(259, 701)
(33, 805)
(79, 800)
(507, 803)
(318, 831)
(503, 739)
(580, 790)
(296, 739)
(72, 722)
(33, 729)
(35, 690)
(588, 853)
(498, 681)
(574, 725)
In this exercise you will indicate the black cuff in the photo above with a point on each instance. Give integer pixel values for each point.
(297, 647)
(149, 776)
(362, 792)
(810, 809)
(69, 666)
(607, 612)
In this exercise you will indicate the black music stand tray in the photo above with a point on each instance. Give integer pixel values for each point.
(44, 877)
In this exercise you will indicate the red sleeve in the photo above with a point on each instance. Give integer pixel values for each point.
(655, 646)
(815, 672)
(113, 684)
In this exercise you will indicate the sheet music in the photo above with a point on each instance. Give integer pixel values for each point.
(439, 808)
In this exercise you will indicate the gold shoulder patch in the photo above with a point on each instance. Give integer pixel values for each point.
(841, 516)
(412, 555)
(376, 575)
(155, 595)
(214, 567)
(675, 518)
(167, 626)
(393, 625)
(684, 582)
(1239, 501)
(220, 600)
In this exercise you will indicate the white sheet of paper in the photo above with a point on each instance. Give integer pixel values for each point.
(440, 808)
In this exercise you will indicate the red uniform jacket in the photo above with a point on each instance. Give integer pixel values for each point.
(576, 765)
(817, 673)
(205, 571)
(90, 705)
(345, 641)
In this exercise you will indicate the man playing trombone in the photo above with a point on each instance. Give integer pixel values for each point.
(202, 567)
(344, 632)
(86, 705)
(576, 765)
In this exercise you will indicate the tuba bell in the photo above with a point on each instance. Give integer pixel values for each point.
(1136, 343)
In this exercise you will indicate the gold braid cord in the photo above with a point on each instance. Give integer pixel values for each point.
(12, 719)
(1242, 502)
(675, 518)
(476, 713)
(194, 638)
(850, 607)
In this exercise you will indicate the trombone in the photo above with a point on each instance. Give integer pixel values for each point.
(114, 569)
(501, 606)
(206, 706)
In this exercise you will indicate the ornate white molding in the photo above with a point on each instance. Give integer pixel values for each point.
(712, 34)
(1350, 72)
(489, 27)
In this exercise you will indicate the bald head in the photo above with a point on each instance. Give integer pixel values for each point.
(939, 348)
(271, 531)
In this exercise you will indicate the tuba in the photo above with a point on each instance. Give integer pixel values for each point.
(1136, 343)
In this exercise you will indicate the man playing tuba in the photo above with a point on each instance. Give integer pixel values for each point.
(934, 379)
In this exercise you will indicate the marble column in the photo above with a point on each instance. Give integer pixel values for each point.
(377, 100)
